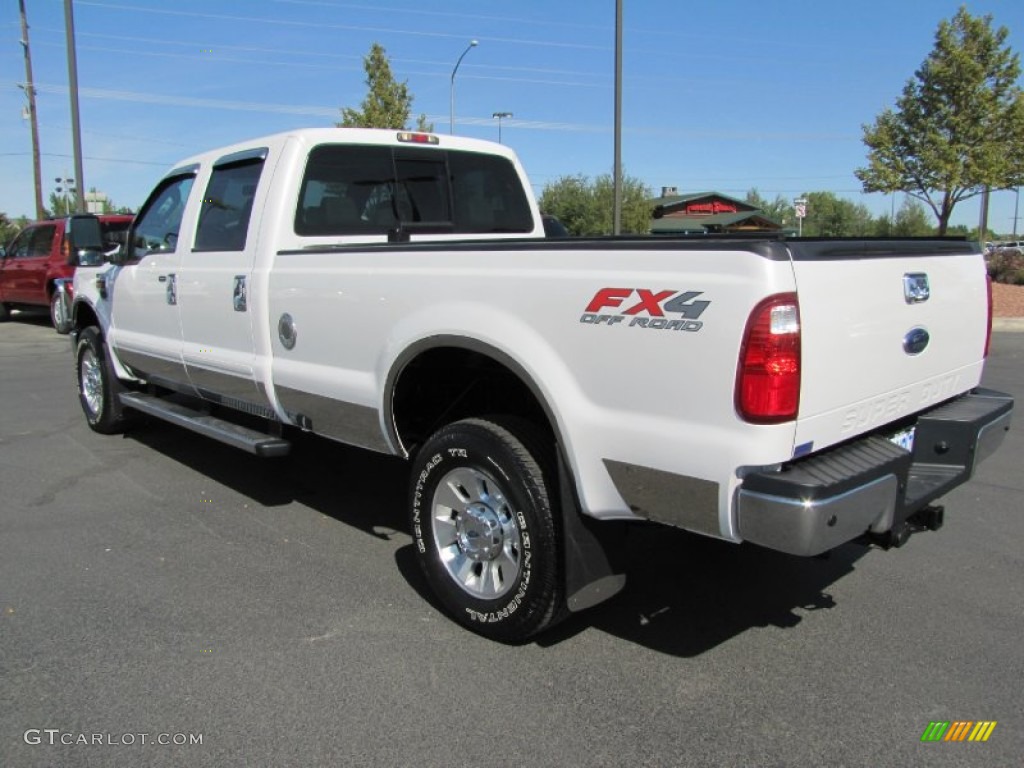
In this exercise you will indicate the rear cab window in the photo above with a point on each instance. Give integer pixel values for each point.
(372, 190)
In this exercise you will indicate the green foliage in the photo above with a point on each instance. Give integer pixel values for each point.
(1006, 266)
(8, 229)
(585, 206)
(780, 209)
(388, 103)
(60, 206)
(959, 124)
(831, 216)
(912, 220)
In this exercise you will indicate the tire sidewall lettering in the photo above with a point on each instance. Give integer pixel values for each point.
(454, 454)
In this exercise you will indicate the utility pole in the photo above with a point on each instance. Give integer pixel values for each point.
(76, 131)
(617, 165)
(1016, 202)
(983, 215)
(30, 92)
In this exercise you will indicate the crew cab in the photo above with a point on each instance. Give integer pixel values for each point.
(394, 291)
(37, 266)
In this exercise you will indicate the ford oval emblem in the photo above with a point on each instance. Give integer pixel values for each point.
(915, 341)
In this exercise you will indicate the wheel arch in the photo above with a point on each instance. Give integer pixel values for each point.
(83, 314)
(592, 551)
(412, 376)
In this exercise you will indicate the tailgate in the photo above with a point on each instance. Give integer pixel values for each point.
(888, 328)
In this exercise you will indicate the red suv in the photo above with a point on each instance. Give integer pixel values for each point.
(36, 267)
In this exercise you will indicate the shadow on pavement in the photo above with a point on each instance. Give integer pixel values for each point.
(685, 593)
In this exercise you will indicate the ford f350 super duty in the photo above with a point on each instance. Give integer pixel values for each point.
(394, 291)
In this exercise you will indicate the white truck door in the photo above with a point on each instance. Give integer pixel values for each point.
(145, 332)
(215, 280)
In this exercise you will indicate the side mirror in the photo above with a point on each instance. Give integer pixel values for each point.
(85, 239)
(89, 258)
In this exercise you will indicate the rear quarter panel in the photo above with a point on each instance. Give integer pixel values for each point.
(621, 391)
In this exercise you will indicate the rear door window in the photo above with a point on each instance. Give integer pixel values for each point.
(227, 204)
(36, 242)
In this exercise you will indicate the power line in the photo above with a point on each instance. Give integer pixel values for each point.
(350, 27)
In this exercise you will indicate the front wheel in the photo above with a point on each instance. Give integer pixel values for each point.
(98, 387)
(484, 529)
(59, 314)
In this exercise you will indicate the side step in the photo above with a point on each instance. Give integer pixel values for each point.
(226, 432)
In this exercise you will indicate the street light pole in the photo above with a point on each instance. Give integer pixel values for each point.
(67, 190)
(451, 92)
(501, 116)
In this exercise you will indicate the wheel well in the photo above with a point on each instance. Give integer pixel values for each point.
(445, 384)
(83, 316)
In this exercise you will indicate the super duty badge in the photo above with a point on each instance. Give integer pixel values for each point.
(644, 308)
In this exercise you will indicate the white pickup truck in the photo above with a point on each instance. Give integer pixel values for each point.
(394, 291)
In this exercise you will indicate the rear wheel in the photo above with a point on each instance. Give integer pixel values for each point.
(5, 313)
(98, 387)
(484, 528)
(59, 314)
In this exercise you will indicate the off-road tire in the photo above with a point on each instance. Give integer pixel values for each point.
(59, 314)
(98, 386)
(484, 529)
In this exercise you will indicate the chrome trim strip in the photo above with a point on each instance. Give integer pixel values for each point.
(349, 423)
(147, 366)
(222, 383)
(685, 502)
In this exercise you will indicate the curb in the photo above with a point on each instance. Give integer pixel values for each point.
(1011, 324)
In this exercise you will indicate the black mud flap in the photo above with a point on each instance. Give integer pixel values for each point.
(594, 550)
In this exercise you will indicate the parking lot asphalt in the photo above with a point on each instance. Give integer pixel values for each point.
(160, 587)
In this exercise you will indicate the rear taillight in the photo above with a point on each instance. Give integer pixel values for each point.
(988, 330)
(768, 376)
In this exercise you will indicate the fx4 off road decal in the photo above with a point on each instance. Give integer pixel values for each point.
(644, 308)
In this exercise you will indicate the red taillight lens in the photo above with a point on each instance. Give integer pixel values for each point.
(988, 330)
(768, 378)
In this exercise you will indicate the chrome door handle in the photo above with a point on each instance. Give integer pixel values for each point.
(172, 290)
(239, 297)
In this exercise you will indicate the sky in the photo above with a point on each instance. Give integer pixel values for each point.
(716, 96)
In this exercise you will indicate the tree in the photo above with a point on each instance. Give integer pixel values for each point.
(831, 216)
(60, 205)
(779, 209)
(387, 103)
(585, 207)
(8, 229)
(959, 125)
(912, 220)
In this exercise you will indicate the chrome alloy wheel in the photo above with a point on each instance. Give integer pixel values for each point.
(59, 314)
(476, 533)
(91, 382)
